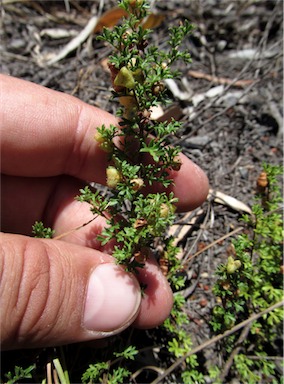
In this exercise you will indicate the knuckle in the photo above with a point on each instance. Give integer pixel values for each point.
(25, 286)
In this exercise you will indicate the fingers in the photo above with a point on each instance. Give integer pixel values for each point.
(157, 296)
(191, 185)
(53, 293)
(72, 220)
(51, 200)
(25, 200)
(48, 133)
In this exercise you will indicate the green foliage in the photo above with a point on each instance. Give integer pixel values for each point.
(214, 373)
(251, 281)
(40, 231)
(102, 372)
(192, 376)
(118, 375)
(99, 372)
(19, 374)
(129, 353)
(245, 366)
(92, 374)
(179, 341)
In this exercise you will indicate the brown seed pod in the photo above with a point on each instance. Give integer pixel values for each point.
(139, 223)
(262, 182)
(114, 72)
(177, 163)
(164, 265)
(158, 88)
(141, 255)
(125, 37)
(226, 285)
(144, 117)
(137, 184)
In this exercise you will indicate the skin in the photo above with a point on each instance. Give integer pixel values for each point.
(48, 152)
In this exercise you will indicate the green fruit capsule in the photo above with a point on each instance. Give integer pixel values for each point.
(113, 177)
(125, 78)
(166, 210)
(233, 265)
(137, 184)
(104, 144)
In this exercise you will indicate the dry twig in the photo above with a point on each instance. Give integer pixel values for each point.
(220, 80)
(76, 42)
(235, 351)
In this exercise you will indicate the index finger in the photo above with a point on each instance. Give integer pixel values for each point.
(48, 133)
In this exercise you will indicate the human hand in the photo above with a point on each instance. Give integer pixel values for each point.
(62, 291)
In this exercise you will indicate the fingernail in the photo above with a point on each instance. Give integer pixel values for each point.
(113, 299)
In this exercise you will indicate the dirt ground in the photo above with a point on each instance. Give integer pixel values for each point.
(229, 99)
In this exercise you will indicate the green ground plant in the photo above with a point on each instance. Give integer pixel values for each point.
(19, 374)
(251, 281)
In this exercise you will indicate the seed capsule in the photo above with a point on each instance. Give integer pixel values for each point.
(226, 285)
(114, 72)
(142, 255)
(158, 88)
(140, 223)
(130, 106)
(98, 137)
(262, 182)
(113, 177)
(104, 144)
(124, 78)
(218, 300)
(164, 265)
(233, 265)
(137, 184)
(177, 163)
(166, 210)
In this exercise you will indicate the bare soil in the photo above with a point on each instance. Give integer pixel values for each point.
(229, 99)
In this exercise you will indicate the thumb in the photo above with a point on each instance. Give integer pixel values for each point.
(53, 293)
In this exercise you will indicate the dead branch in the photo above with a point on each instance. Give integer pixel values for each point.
(235, 351)
(220, 80)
